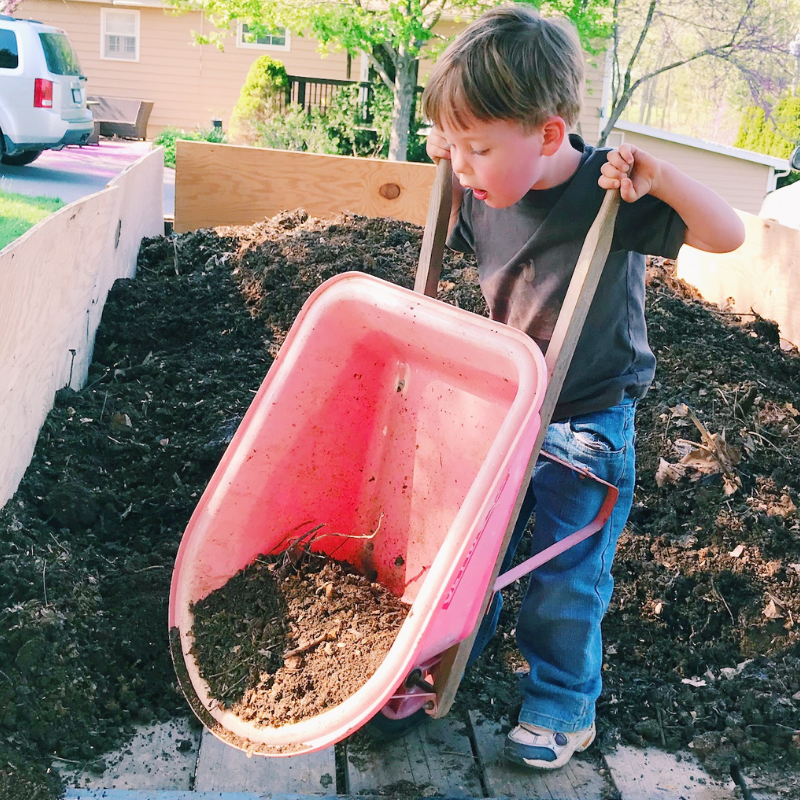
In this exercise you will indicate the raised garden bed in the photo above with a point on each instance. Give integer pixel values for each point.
(702, 641)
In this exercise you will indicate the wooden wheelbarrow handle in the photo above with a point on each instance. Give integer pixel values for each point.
(592, 258)
(433, 239)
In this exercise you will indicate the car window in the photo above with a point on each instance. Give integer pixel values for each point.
(61, 58)
(9, 56)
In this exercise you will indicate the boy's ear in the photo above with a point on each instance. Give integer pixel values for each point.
(553, 132)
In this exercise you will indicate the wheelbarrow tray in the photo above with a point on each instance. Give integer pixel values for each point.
(386, 412)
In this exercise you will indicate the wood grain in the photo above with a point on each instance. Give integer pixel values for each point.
(433, 239)
(761, 275)
(222, 768)
(53, 284)
(578, 780)
(218, 184)
(436, 758)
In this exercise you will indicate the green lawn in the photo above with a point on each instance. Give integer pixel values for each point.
(18, 213)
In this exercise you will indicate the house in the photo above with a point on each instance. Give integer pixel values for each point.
(143, 49)
(742, 177)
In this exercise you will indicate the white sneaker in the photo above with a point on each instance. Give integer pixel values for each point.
(541, 748)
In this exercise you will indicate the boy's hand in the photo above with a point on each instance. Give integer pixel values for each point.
(619, 173)
(437, 146)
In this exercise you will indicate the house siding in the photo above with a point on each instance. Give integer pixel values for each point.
(742, 183)
(190, 84)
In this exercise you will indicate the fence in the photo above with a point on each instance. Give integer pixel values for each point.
(53, 284)
(318, 93)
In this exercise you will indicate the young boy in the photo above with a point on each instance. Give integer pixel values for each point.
(502, 99)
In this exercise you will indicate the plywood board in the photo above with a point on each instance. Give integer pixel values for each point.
(761, 275)
(53, 285)
(651, 774)
(222, 768)
(218, 184)
(578, 780)
(435, 758)
(159, 757)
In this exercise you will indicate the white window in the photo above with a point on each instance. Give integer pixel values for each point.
(119, 34)
(275, 40)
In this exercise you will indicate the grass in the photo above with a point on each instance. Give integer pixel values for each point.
(19, 212)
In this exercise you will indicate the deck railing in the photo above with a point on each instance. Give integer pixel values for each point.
(317, 93)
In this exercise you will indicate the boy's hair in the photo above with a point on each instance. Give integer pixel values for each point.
(510, 64)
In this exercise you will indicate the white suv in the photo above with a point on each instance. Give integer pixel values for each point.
(42, 95)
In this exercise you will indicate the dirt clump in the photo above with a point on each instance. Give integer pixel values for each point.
(702, 638)
(284, 639)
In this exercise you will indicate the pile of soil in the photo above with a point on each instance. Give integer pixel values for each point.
(702, 639)
(284, 640)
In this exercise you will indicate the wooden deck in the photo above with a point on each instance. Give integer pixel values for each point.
(446, 758)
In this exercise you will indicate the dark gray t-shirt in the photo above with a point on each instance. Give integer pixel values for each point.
(526, 256)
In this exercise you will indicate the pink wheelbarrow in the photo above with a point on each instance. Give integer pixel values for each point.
(386, 410)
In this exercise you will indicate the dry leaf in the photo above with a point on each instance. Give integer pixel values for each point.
(737, 551)
(668, 473)
(680, 410)
(694, 682)
(772, 611)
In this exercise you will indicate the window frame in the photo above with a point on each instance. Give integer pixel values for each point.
(104, 15)
(240, 42)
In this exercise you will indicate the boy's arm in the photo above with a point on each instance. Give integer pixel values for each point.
(437, 147)
(711, 223)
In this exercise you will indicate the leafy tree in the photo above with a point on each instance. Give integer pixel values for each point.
(394, 34)
(651, 37)
(774, 135)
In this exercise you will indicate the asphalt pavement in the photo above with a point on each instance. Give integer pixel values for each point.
(75, 172)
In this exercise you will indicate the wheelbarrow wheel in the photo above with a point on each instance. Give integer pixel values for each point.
(390, 729)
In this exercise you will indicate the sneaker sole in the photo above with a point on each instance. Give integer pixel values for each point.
(511, 755)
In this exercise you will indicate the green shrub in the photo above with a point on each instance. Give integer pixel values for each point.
(261, 99)
(341, 129)
(169, 136)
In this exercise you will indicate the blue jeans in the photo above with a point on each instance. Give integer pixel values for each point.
(558, 629)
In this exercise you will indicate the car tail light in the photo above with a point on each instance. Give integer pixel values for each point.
(43, 93)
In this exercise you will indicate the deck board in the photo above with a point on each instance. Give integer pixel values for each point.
(578, 780)
(651, 774)
(222, 768)
(435, 758)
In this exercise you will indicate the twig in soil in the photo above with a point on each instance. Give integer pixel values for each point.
(44, 583)
(661, 726)
(772, 445)
(738, 779)
(719, 595)
(306, 647)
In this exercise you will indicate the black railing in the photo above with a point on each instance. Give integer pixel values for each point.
(317, 93)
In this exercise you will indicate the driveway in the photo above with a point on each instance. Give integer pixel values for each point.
(75, 172)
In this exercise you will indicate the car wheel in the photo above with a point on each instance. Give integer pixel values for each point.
(20, 159)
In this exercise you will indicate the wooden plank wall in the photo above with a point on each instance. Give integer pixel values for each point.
(218, 184)
(53, 284)
(760, 275)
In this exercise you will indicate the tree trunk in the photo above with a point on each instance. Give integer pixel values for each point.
(616, 112)
(405, 84)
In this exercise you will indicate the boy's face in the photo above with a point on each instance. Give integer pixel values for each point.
(498, 160)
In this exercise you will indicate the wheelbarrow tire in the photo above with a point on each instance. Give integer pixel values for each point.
(390, 729)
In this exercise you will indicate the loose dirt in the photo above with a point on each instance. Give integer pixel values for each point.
(702, 638)
(285, 639)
